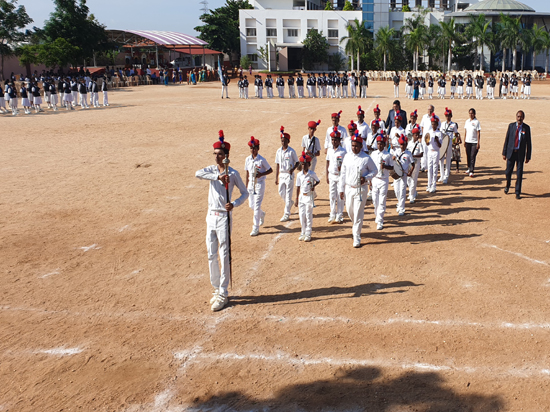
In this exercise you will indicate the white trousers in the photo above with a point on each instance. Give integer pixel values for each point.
(260, 92)
(338, 92)
(269, 92)
(310, 91)
(356, 209)
(2, 103)
(400, 190)
(255, 203)
(354, 91)
(224, 89)
(363, 92)
(424, 159)
(84, 100)
(217, 243)
(412, 181)
(345, 92)
(75, 97)
(245, 90)
(286, 185)
(47, 96)
(95, 98)
(291, 92)
(445, 163)
(281, 90)
(336, 204)
(53, 100)
(306, 217)
(433, 165)
(300, 92)
(255, 91)
(105, 98)
(313, 163)
(395, 91)
(379, 195)
(330, 91)
(241, 92)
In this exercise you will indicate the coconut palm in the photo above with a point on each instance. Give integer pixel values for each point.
(384, 42)
(416, 35)
(510, 34)
(479, 30)
(546, 46)
(450, 35)
(358, 40)
(538, 35)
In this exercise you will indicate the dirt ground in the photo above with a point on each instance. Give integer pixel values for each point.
(104, 282)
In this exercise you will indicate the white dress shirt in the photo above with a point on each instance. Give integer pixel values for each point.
(335, 157)
(328, 139)
(353, 163)
(286, 159)
(217, 194)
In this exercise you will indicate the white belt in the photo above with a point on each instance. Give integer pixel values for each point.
(215, 213)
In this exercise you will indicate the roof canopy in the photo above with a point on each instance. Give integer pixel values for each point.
(153, 37)
(499, 5)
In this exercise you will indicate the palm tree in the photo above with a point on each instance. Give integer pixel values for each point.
(416, 35)
(510, 32)
(479, 29)
(358, 40)
(538, 41)
(384, 41)
(450, 35)
(546, 46)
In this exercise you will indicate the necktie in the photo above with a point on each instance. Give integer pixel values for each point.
(516, 144)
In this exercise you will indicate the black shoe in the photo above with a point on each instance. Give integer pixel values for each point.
(518, 196)
(506, 189)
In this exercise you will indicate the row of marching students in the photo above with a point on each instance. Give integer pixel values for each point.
(68, 92)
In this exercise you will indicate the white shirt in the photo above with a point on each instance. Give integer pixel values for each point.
(328, 139)
(346, 144)
(472, 127)
(382, 124)
(363, 129)
(405, 158)
(306, 181)
(395, 139)
(260, 164)
(410, 128)
(216, 193)
(371, 142)
(426, 122)
(286, 159)
(434, 134)
(351, 166)
(306, 142)
(379, 157)
(335, 158)
(449, 129)
(415, 148)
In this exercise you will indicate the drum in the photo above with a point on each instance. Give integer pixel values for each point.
(444, 146)
(397, 170)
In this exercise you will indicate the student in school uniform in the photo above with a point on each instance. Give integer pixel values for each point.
(469, 89)
(74, 91)
(362, 126)
(36, 97)
(2, 101)
(310, 83)
(25, 102)
(286, 160)
(395, 133)
(306, 181)
(433, 145)
(94, 93)
(383, 162)
(377, 112)
(240, 87)
(527, 88)
(245, 88)
(453, 86)
(54, 100)
(472, 140)
(335, 157)
(300, 86)
(82, 89)
(291, 88)
(417, 152)
(12, 93)
(281, 86)
(403, 156)
(260, 87)
(430, 87)
(311, 144)
(47, 94)
(353, 85)
(449, 128)
(345, 81)
(105, 92)
(217, 228)
(460, 87)
(335, 118)
(412, 124)
(257, 169)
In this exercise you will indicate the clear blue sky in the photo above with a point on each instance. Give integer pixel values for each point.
(170, 15)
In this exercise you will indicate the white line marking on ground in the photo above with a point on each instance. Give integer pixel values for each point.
(88, 248)
(272, 244)
(61, 351)
(540, 262)
(122, 229)
(55, 272)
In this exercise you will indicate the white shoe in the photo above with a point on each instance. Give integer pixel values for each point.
(219, 303)
(428, 190)
(401, 213)
(301, 237)
(440, 180)
(445, 181)
(330, 219)
(380, 226)
(412, 200)
(307, 238)
(215, 295)
(369, 196)
(356, 243)
(285, 218)
(262, 219)
(255, 232)
(340, 220)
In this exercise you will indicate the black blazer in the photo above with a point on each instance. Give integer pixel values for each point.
(524, 152)
(390, 122)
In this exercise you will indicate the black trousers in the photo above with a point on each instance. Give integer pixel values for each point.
(471, 154)
(514, 160)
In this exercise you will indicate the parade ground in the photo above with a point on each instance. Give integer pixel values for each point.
(104, 284)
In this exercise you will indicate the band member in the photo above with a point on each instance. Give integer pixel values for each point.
(376, 131)
(286, 161)
(376, 111)
(362, 126)
(380, 182)
(335, 157)
(217, 227)
(450, 129)
(403, 156)
(412, 124)
(311, 144)
(356, 172)
(396, 133)
(305, 193)
(417, 152)
(425, 124)
(335, 118)
(257, 169)
(517, 149)
(432, 137)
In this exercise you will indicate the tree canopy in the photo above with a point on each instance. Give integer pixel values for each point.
(315, 49)
(12, 20)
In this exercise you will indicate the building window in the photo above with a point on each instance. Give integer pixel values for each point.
(251, 32)
(271, 32)
(253, 57)
(292, 32)
(333, 33)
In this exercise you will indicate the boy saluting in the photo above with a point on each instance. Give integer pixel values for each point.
(305, 191)
(219, 208)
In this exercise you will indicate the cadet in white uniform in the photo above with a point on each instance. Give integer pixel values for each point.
(395, 133)
(380, 182)
(335, 157)
(415, 148)
(219, 208)
(376, 111)
(257, 169)
(356, 172)
(403, 156)
(450, 129)
(434, 144)
(311, 144)
(335, 117)
(286, 160)
(362, 127)
(305, 193)
(425, 125)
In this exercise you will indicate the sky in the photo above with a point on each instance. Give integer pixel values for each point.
(168, 15)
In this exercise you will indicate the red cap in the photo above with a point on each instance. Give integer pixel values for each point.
(253, 142)
(360, 111)
(305, 158)
(398, 117)
(376, 109)
(352, 126)
(434, 118)
(415, 130)
(336, 114)
(283, 134)
(221, 144)
(335, 133)
(414, 114)
(356, 137)
(375, 122)
(448, 112)
(313, 125)
(403, 139)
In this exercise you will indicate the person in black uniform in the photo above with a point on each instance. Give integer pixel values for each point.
(291, 89)
(345, 81)
(269, 86)
(300, 86)
(36, 97)
(280, 86)
(83, 91)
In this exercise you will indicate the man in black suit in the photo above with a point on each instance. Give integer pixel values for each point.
(516, 150)
(395, 112)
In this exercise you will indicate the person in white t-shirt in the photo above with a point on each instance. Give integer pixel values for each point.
(335, 117)
(412, 124)
(362, 126)
(415, 147)
(376, 111)
(217, 225)
(335, 157)
(395, 133)
(311, 144)
(425, 125)
(403, 156)
(286, 160)
(257, 169)
(450, 129)
(434, 143)
(380, 182)
(472, 138)
(305, 193)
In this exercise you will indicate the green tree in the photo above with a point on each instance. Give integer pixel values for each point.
(12, 20)
(510, 33)
(539, 38)
(336, 62)
(385, 43)
(348, 6)
(450, 36)
(245, 62)
(479, 31)
(546, 46)
(358, 40)
(58, 53)
(328, 5)
(221, 27)
(416, 35)
(315, 49)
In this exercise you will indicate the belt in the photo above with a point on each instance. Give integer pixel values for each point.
(516, 150)
(214, 213)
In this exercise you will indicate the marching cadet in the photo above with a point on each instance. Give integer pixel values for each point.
(395, 133)
(335, 118)
(311, 144)
(433, 139)
(322, 86)
(409, 86)
(491, 83)
(305, 195)
(453, 86)
(25, 102)
(450, 129)
(430, 87)
(53, 96)
(417, 151)
(364, 83)
(442, 87)
(338, 85)
(480, 84)
(83, 94)
(346, 142)
(2, 101)
(94, 93)
(404, 157)
(245, 85)
(269, 86)
(329, 86)
(300, 86)
(422, 87)
(105, 91)
(286, 160)
(412, 124)
(47, 93)
(281, 86)
(217, 220)
(380, 182)
(257, 169)
(36, 98)
(255, 86)
(362, 126)
(310, 86)
(357, 170)
(514, 87)
(527, 88)
(504, 86)
(260, 87)
(345, 82)
(225, 84)
(373, 134)
(460, 87)
(377, 112)
(291, 90)
(353, 85)
(335, 157)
